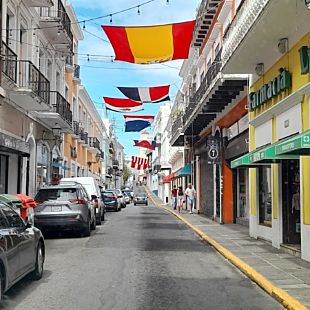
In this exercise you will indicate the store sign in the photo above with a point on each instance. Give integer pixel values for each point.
(304, 53)
(14, 144)
(282, 82)
(214, 150)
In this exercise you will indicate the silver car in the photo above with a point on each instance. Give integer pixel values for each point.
(64, 207)
(22, 249)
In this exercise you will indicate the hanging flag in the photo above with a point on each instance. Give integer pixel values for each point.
(139, 163)
(134, 123)
(151, 145)
(151, 44)
(122, 105)
(146, 94)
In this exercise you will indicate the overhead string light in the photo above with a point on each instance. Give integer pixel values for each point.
(138, 9)
(111, 20)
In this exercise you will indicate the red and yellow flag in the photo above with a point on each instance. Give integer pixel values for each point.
(151, 44)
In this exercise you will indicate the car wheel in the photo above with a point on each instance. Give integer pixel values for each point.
(1, 286)
(93, 224)
(38, 272)
(86, 231)
(98, 219)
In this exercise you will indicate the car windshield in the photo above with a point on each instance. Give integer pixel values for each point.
(62, 194)
(141, 195)
(108, 195)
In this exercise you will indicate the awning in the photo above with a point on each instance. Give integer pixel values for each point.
(169, 178)
(297, 145)
(185, 171)
(266, 155)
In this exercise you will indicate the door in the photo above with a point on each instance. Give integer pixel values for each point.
(291, 201)
(22, 238)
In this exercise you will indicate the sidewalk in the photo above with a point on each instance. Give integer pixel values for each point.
(285, 271)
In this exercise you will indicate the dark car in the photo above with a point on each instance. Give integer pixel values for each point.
(140, 198)
(22, 249)
(64, 207)
(111, 201)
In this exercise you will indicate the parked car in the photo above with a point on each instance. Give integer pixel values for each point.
(64, 207)
(127, 198)
(22, 249)
(111, 201)
(121, 198)
(140, 198)
(129, 193)
(92, 188)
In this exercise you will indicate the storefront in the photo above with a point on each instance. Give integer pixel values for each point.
(279, 161)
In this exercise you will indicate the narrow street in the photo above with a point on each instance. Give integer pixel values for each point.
(140, 258)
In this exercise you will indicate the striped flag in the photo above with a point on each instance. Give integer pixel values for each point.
(122, 105)
(151, 145)
(135, 123)
(139, 163)
(146, 94)
(151, 44)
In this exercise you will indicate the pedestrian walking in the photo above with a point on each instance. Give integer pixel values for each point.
(174, 197)
(180, 198)
(190, 194)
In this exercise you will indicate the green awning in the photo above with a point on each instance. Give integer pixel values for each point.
(185, 171)
(297, 145)
(242, 161)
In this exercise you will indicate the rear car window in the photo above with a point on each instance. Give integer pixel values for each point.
(62, 194)
(108, 194)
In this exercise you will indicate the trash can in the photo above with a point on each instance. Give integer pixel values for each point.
(13, 201)
(28, 206)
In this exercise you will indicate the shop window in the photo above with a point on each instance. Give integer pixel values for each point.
(242, 204)
(265, 195)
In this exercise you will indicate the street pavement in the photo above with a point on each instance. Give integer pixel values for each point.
(140, 258)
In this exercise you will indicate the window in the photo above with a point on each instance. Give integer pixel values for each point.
(13, 218)
(265, 196)
(3, 222)
(63, 194)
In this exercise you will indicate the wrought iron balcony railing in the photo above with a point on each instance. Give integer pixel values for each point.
(69, 60)
(76, 72)
(195, 99)
(84, 136)
(61, 106)
(58, 12)
(31, 77)
(94, 142)
(76, 128)
(9, 62)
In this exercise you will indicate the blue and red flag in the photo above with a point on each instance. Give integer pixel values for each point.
(151, 145)
(134, 123)
(122, 105)
(147, 94)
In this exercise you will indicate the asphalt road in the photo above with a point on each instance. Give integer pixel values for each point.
(140, 258)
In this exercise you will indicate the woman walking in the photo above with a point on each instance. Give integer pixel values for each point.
(180, 198)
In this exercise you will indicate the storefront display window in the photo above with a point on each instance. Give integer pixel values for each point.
(242, 207)
(265, 196)
(42, 164)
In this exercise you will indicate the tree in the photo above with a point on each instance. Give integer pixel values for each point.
(126, 173)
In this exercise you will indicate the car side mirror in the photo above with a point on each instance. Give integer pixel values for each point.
(28, 224)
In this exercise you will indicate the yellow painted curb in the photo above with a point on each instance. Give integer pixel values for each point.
(280, 295)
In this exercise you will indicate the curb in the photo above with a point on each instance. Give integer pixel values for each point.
(280, 295)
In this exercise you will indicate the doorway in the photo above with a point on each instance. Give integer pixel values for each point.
(291, 201)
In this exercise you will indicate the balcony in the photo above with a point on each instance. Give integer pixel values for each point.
(83, 137)
(69, 64)
(206, 13)
(60, 114)
(177, 138)
(94, 145)
(32, 91)
(38, 3)
(76, 130)
(56, 24)
(253, 36)
(9, 66)
(76, 74)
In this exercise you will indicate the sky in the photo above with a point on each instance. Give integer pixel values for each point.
(100, 75)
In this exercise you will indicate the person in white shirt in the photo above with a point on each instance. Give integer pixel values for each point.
(190, 194)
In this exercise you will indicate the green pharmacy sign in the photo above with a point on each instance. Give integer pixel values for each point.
(304, 53)
(270, 90)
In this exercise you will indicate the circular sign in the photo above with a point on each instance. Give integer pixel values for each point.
(213, 153)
